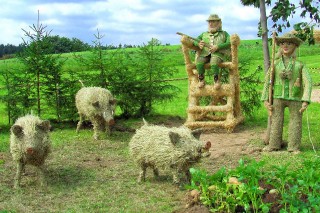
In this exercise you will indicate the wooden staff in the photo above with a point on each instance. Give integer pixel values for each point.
(270, 100)
(272, 70)
(195, 39)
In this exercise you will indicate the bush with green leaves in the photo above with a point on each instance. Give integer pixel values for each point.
(250, 91)
(39, 83)
(16, 94)
(138, 79)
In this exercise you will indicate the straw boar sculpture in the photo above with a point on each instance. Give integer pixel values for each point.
(167, 148)
(30, 144)
(97, 105)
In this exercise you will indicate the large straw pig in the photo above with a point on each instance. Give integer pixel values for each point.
(167, 148)
(97, 105)
(30, 144)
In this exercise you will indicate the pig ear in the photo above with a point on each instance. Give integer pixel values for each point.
(207, 146)
(196, 133)
(45, 125)
(96, 104)
(17, 130)
(174, 137)
(113, 101)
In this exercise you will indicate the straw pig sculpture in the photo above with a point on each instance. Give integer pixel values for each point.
(167, 148)
(98, 105)
(30, 144)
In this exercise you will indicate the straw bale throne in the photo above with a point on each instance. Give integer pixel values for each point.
(221, 108)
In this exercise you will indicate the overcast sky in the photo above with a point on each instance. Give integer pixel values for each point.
(124, 21)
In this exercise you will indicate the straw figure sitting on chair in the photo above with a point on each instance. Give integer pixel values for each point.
(218, 52)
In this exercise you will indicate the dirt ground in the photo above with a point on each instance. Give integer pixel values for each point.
(227, 149)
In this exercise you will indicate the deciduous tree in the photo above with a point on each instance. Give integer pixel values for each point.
(280, 15)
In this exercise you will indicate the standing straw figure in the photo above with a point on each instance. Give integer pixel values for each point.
(291, 88)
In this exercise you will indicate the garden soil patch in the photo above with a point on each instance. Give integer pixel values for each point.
(226, 150)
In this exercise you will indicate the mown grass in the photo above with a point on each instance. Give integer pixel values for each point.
(85, 175)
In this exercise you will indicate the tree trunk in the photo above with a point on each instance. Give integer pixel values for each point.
(38, 92)
(266, 56)
(263, 21)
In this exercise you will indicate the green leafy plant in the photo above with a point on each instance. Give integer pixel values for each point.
(215, 192)
(280, 178)
(299, 189)
(250, 174)
(222, 195)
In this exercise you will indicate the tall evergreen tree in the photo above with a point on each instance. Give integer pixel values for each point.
(42, 68)
(153, 70)
(97, 62)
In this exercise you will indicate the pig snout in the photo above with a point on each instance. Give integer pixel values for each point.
(109, 118)
(205, 151)
(111, 122)
(30, 151)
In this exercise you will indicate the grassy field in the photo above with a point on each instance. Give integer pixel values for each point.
(85, 175)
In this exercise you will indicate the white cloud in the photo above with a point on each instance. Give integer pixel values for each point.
(126, 16)
(10, 34)
(159, 15)
(52, 22)
(197, 18)
(58, 9)
(10, 8)
(245, 13)
(114, 5)
(161, 1)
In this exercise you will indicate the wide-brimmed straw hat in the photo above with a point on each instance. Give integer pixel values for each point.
(288, 37)
(214, 17)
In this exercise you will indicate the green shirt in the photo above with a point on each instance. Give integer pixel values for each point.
(291, 82)
(219, 38)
